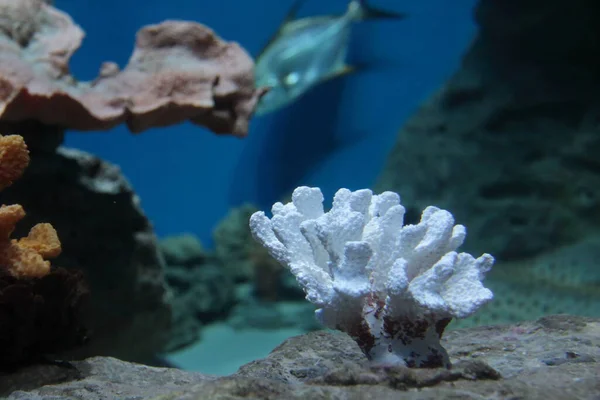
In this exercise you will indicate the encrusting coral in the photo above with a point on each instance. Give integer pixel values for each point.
(23, 258)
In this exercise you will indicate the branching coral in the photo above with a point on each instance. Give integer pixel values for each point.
(393, 288)
(23, 258)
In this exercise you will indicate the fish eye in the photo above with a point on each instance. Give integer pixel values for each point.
(291, 79)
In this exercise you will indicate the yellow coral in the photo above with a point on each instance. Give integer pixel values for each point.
(14, 158)
(9, 216)
(23, 258)
(42, 239)
(24, 261)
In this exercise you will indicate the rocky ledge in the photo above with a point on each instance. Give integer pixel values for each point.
(556, 357)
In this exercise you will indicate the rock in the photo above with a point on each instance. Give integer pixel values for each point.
(178, 71)
(185, 250)
(97, 377)
(105, 234)
(40, 316)
(245, 260)
(510, 143)
(556, 357)
(234, 244)
(202, 291)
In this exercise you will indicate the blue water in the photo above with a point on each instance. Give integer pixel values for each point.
(336, 136)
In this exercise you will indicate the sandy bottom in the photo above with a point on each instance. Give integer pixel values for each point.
(222, 350)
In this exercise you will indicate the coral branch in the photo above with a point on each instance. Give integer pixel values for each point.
(393, 288)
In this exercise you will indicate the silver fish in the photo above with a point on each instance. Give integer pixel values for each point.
(307, 51)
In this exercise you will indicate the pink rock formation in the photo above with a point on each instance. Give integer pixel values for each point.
(178, 71)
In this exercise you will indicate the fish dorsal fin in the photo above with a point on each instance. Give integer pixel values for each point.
(299, 24)
(289, 17)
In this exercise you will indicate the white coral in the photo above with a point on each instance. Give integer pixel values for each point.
(393, 287)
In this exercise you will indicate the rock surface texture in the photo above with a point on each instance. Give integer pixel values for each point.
(105, 234)
(179, 71)
(556, 357)
(510, 143)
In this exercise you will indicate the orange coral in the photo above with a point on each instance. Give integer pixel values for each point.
(23, 258)
(14, 158)
(43, 240)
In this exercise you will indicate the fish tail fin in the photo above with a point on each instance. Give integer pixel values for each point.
(362, 10)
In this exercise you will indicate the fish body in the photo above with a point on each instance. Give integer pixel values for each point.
(307, 51)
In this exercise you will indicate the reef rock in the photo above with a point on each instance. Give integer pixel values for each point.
(202, 291)
(510, 143)
(104, 233)
(178, 71)
(553, 358)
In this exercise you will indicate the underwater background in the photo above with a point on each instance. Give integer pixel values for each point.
(465, 105)
(338, 135)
